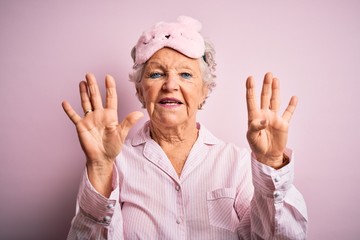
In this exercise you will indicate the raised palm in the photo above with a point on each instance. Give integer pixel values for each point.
(101, 136)
(267, 131)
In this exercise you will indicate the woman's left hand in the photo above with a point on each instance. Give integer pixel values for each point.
(267, 131)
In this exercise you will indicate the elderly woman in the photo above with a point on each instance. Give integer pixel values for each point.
(174, 179)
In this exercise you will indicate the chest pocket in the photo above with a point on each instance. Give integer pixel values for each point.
(220, 205)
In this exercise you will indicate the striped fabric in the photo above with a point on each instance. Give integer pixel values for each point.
(222, 193)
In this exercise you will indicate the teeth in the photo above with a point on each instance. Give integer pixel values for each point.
(169, 102)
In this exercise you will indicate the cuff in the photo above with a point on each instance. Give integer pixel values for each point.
(270, 182)
(93, 204)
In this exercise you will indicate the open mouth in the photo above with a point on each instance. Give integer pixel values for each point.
(170, 101)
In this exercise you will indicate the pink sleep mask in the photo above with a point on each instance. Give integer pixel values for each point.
(182, 36)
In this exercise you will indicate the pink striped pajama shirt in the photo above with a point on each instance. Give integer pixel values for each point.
(222, 193)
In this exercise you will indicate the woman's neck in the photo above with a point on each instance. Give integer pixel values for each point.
(176, 142)
(186, 133)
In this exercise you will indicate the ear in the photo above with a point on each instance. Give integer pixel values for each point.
(204, 97)
(139, 94)
(205, 92)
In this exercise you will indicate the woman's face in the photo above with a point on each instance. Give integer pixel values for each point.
(172, 88)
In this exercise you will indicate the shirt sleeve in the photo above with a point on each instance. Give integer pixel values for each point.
(97, 217)
(277, 209)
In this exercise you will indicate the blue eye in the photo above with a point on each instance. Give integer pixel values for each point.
(155, 75)
(186, 75)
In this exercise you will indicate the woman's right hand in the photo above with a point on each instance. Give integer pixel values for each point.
(100, 134)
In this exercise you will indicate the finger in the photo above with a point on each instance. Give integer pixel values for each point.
(74, 117)
(266, 91)
(111, 95)
(254, 130)
(94, 91)
(289, 111)
(84, 95)
(275, 95)
(250, 96)
(256, 126)
(129, 122)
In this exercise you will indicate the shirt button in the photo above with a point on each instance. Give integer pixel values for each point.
(177, 188)
(277, 178)
(110, 206)
(178, 221)
(277, 194)
(106, 219)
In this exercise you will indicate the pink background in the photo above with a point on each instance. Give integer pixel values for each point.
(46, 47)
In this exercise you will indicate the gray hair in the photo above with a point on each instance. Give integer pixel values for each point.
(207, 68)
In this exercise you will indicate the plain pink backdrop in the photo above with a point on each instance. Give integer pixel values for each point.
(46, 47)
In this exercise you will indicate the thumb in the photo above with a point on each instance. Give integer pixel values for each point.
(254, 130)
(256, 126)
(129, 121)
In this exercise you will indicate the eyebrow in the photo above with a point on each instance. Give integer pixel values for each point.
(182, 65)
(153, 64)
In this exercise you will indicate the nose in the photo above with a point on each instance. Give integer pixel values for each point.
(171, 82)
